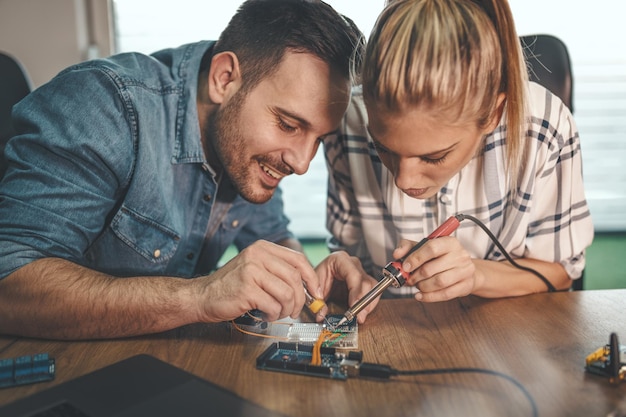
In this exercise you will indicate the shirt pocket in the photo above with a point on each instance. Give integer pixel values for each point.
(149, 238)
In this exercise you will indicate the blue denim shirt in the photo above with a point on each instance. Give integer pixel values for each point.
(107, 170)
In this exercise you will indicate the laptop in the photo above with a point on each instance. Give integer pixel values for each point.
(138, 386)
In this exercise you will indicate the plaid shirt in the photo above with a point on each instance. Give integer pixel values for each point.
(549, 220)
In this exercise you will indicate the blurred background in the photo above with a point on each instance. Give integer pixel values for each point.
(49, 35)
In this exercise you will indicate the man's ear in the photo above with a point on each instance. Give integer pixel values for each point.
(497, 115)
(224, 76)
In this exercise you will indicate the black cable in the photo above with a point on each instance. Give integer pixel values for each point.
(372, 370)
(508, 257)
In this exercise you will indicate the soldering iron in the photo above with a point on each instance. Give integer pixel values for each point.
(393, 274)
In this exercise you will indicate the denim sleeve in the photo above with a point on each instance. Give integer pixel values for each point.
(67, 166)
(268, 222)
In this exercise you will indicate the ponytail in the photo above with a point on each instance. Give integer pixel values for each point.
(514, 83)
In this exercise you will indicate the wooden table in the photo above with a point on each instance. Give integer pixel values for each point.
(540, 340)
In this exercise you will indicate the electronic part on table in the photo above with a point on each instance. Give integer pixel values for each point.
(608, 361)
(314, 349)
(26, 369)
(296, 358)
(346, 335)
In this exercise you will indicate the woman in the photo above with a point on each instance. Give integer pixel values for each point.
(447, 123)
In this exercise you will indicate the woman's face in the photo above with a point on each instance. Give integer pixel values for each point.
(422, 153)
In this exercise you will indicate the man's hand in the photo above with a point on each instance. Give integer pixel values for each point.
(264, 276)
(343, 267)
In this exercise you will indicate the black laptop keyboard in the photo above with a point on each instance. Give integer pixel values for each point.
(61, 410)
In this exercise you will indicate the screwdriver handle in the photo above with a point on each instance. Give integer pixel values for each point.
(313, 304)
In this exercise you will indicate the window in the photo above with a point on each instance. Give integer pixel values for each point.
(598, 58)
(594, 36)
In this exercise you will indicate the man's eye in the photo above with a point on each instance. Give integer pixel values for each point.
(285, 127)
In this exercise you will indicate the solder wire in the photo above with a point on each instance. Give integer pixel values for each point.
(316, 354)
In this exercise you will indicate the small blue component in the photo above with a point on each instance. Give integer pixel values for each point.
(26, 370)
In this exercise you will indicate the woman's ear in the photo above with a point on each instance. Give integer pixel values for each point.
(497, 115)
(224, 76)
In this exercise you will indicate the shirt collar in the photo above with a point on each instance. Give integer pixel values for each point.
(186, 66)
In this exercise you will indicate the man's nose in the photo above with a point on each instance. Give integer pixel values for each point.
(300, 155)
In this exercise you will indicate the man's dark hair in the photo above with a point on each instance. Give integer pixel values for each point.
(263, 30)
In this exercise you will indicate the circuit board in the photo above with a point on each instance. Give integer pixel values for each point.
(310, 332)
(296, 358)
(26, 370)
(304, 333)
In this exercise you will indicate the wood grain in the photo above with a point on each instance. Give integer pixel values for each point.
(540, 340)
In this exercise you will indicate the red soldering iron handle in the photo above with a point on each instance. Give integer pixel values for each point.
(445, 229)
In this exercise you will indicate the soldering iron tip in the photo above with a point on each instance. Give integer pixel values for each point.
(328, 324)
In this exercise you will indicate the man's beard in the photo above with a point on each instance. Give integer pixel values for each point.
(227, 141)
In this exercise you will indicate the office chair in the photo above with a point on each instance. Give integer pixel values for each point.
(548, 64)
(14, 86)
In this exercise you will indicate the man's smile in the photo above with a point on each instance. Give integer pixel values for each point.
(271, 172)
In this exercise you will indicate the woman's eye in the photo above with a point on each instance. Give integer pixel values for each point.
(434, 161)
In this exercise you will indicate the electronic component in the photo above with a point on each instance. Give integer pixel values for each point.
(26, 370)
(310, 332)
(307, 333)
(607, 361)
(296, 358)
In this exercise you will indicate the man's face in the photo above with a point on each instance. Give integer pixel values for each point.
(275, 129)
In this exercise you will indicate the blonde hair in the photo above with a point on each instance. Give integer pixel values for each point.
(451, 58)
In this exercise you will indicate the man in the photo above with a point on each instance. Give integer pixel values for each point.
(130, 175)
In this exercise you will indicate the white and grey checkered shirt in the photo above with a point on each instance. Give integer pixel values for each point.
(548, 220)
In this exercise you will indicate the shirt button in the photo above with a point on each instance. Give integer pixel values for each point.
(157, 253)
(235, 223)
(190, 256)
(207, 197)
(444, 199)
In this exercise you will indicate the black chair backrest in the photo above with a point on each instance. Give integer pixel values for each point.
(14, 86)
(548, 63)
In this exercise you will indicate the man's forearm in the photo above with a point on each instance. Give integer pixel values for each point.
(54, 298)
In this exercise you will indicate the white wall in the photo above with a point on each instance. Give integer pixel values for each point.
(49, 35)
